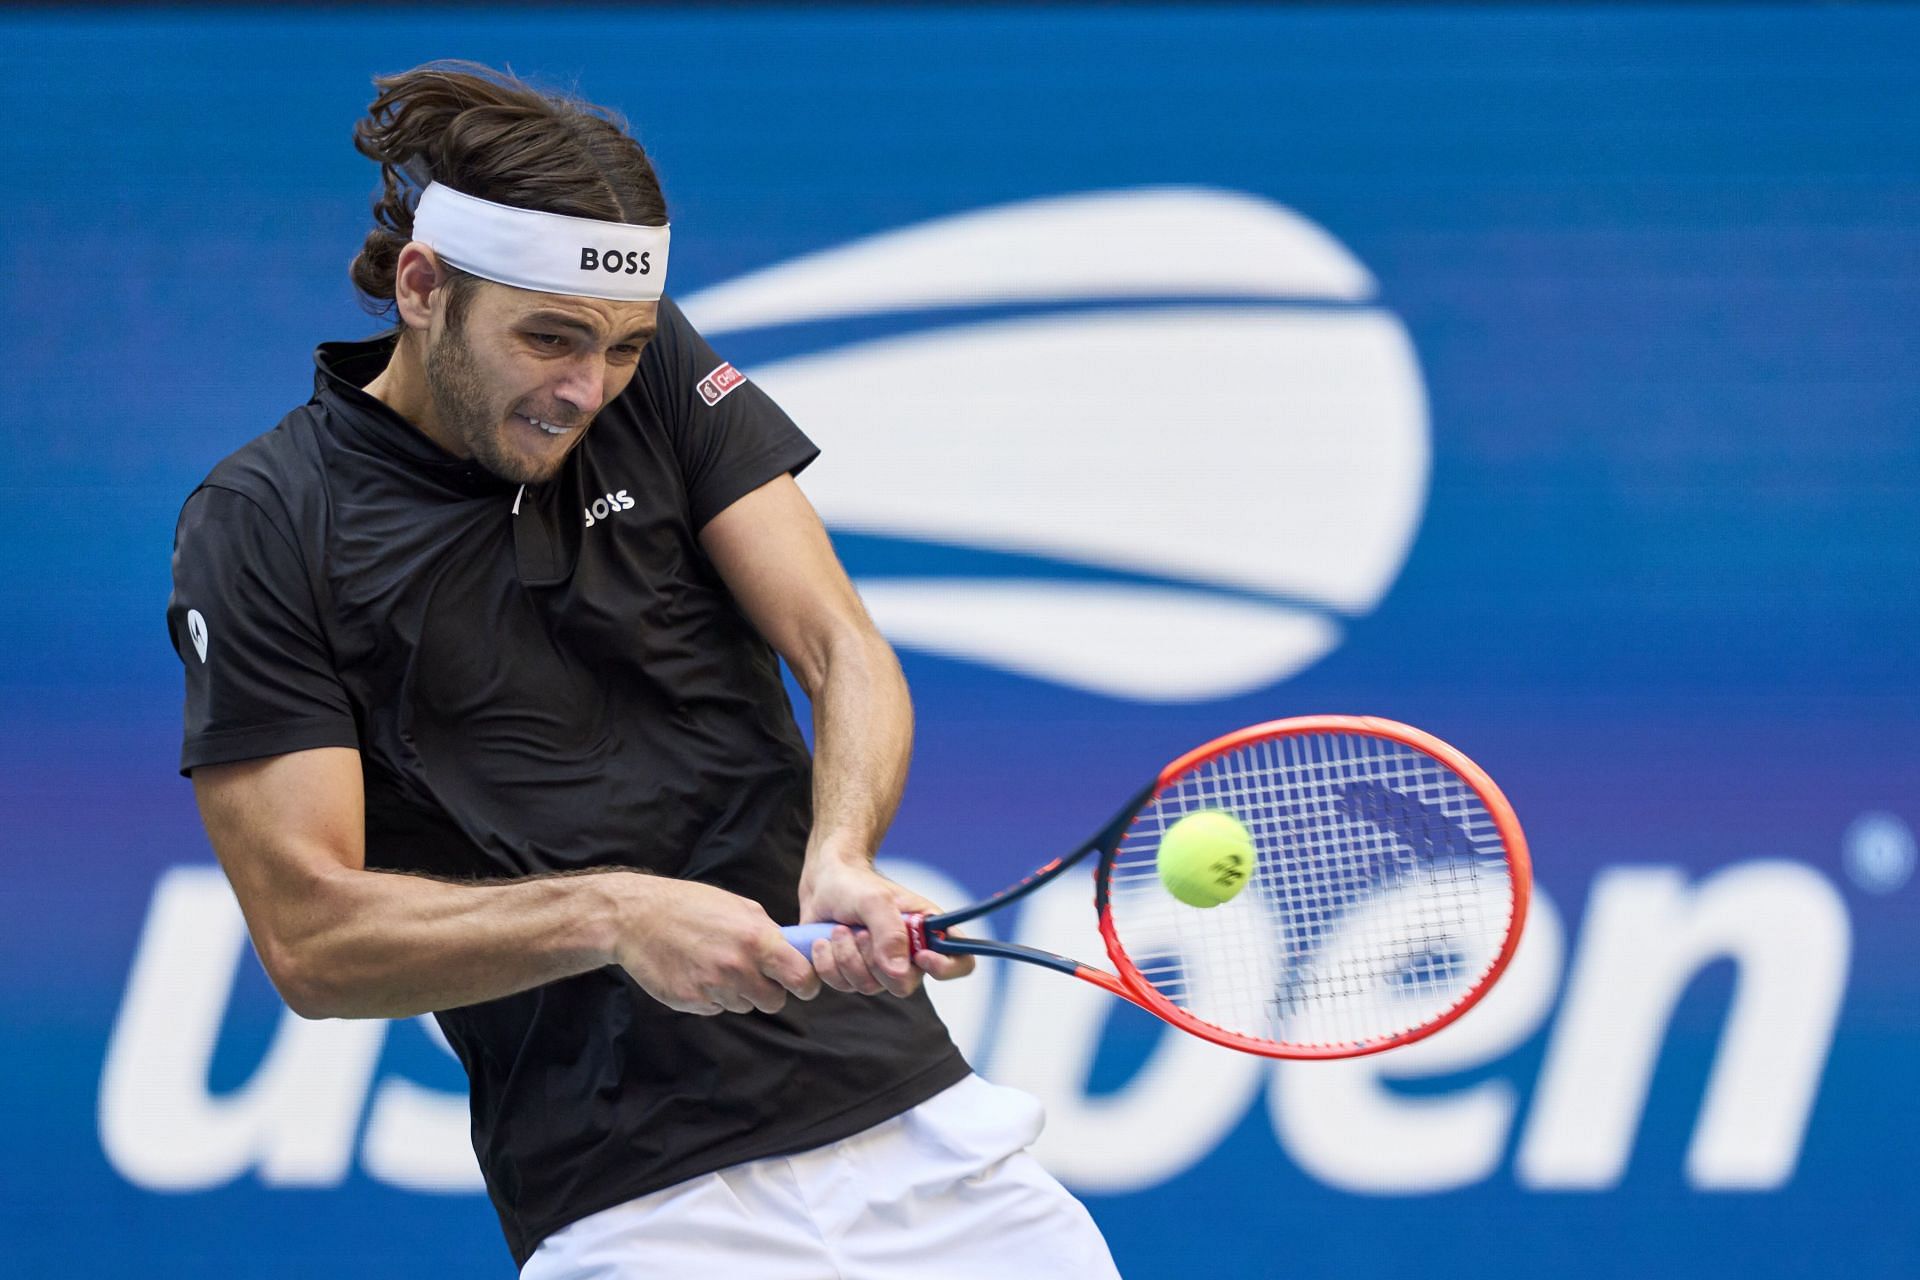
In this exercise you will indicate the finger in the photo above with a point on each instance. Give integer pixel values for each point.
(894, 983)
(886, 951)
(731, 1001)
(789, 968)
(827, 964)
(942, 967)
(764, 995)
(853, 964)
(908, 903)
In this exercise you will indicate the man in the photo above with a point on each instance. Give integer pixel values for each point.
(484, 718)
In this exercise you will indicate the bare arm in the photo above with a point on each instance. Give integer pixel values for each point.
(339, 940)
(776, 559)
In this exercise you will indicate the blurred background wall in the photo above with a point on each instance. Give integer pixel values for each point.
(1546, 377)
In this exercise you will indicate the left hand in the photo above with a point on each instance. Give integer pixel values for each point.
(870, 957)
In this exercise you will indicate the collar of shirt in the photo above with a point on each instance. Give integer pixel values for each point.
(342, 369)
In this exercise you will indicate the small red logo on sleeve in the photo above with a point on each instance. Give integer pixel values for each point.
(715, 386)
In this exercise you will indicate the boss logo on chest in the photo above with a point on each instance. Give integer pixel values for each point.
(610, 504)
(616, 262)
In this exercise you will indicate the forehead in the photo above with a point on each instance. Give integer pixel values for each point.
(601, 317)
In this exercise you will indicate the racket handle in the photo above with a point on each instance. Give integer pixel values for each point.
(801, 937)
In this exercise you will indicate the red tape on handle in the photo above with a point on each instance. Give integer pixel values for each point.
(802, 936)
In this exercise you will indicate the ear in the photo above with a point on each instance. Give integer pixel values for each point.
(416, 276)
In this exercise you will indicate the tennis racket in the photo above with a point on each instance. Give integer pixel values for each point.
(1389, 885)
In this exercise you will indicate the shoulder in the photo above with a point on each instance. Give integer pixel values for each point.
(672, 330)
(677, 356)
(663, 390)
(276, 476)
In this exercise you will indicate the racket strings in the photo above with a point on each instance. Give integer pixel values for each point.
(1379, 900)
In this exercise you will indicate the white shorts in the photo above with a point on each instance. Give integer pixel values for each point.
(946, 1189)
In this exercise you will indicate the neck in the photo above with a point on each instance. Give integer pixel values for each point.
(402, 387)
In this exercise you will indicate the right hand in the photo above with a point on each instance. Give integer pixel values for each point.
(702, 950)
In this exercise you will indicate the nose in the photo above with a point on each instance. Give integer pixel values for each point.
(582, 385)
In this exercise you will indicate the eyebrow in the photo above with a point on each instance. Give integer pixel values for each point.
(558, 320)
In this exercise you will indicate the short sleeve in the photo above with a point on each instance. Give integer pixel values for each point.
(729, 435)
(260, 681)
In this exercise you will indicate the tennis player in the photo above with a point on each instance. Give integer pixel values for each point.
(484, 718)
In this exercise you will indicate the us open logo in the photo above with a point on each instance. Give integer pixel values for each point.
(1200, 452)
(1180, 417)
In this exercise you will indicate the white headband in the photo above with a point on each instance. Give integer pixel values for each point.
(547, 252)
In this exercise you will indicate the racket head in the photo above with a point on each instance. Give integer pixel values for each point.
(1389, 889)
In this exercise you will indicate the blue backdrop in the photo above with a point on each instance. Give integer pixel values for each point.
(1606, 321)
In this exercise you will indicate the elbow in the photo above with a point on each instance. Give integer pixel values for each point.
(299, 980)
(311, 1005)
(307, 946)
(308, 983)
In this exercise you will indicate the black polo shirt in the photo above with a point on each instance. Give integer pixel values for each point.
(544, 680)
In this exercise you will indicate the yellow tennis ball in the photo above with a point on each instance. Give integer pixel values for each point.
(1205, 858)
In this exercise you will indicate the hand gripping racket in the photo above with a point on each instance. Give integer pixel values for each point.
(1389, 886)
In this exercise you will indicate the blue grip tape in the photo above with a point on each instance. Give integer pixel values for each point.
(803, 936)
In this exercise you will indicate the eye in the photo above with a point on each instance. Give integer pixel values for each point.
(625, 352)
(548, 340)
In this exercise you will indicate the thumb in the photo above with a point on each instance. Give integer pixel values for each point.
(782, 962)
(880, 915)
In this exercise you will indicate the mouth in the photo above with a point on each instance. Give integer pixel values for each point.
(549, 428)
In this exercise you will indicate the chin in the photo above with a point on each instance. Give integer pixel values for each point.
(527, 470)
(515, 467)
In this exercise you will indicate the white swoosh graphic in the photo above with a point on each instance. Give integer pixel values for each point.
(1267, 449)
(1150, 243)
(1274, 451)
(1153, 644)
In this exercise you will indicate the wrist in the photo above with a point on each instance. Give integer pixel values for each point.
(838, 851)
(615, 902)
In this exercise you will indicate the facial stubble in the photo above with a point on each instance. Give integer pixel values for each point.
(460, 398)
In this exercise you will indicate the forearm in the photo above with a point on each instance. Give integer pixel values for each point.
(863, 740)
(863, 736)
(340, 941)
(371, 944)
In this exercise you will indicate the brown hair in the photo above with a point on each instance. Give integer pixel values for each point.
(489, 134)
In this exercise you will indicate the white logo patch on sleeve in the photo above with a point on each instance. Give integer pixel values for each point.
(197, 632)
(715, 386)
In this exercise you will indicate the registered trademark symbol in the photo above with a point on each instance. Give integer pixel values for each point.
(1878, 851)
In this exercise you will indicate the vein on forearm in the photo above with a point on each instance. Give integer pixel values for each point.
(863, 740)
